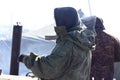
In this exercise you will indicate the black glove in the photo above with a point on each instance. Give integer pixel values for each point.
(20, 58)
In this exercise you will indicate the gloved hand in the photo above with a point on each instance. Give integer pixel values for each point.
(20, 58)
(27, 59)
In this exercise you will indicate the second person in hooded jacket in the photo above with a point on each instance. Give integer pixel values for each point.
(106, 53)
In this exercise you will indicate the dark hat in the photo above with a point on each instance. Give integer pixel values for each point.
(66, 16)
(99, 25)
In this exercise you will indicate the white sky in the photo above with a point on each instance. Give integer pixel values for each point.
(37, 13)
(34, 14)
(110, 12)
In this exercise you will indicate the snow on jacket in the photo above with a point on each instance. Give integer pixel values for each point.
(69, 60)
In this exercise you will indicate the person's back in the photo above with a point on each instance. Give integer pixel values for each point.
(103, 58)
(106, 53)
(71, 57)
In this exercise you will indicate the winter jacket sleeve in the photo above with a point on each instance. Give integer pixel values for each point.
(53, 65)
(117, 50)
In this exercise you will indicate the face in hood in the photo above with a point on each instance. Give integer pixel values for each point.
(66, 16)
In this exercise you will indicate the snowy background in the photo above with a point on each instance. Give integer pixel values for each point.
(29, 43)
(37, 20)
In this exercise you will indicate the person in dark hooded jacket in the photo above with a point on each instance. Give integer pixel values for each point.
(106, 53)
(71, 57)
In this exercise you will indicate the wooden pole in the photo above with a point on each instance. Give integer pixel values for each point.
(16, 41)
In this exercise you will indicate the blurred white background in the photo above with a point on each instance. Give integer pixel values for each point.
(36, 14)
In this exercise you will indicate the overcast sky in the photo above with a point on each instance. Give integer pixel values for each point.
(34, 14)
(110, 12)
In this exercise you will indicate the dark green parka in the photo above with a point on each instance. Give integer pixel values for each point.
(69, 60)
